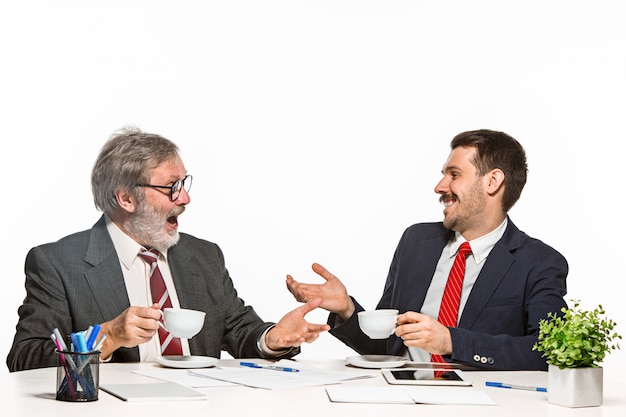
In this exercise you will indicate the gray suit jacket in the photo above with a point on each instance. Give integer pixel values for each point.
(77, 282)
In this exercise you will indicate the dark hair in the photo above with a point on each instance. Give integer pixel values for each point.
(497, 150)
(126, 159)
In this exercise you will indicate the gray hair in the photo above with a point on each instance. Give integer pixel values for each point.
(127, 158)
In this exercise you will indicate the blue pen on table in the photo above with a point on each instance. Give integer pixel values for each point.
(513, 386)
(271, 367)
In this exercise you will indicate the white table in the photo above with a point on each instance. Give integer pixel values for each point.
(32, 393)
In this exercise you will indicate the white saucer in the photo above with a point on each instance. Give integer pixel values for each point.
(187, 362)
(377, 361)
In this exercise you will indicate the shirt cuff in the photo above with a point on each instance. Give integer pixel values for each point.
(266, 350)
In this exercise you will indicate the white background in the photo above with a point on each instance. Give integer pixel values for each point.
(316, 131)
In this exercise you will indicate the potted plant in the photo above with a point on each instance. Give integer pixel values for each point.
(574, 345)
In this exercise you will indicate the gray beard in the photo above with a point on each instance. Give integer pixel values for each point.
(147, 228)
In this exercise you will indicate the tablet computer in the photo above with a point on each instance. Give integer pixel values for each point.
(407, 376)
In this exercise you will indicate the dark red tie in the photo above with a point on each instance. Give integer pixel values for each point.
(449, 309)
(169, 345)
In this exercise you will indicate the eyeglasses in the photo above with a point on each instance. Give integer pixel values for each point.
(174, 188)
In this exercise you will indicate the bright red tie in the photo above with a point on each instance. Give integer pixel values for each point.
(449, 309)
(169, 345)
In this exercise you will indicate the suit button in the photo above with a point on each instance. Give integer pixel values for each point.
(490, 360)
(477, 358)
(483, 359)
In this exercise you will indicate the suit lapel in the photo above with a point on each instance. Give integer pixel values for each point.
(410, 293)
(187, 275)
(421, 271)
(192, 287)
(105, 279)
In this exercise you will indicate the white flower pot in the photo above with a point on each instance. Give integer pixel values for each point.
(575, 387)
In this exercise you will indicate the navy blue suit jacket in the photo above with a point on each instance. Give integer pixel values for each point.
(522, 280)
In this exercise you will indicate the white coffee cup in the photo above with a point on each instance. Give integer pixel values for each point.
(378, 324)
(182, 322)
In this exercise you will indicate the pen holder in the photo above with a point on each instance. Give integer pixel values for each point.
(78, 376)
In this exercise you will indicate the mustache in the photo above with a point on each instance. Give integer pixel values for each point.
(445, 197)
(176, 211)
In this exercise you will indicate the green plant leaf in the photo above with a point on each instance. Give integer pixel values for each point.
(578, 338)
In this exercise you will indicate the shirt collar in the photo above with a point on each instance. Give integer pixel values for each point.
(480, 246)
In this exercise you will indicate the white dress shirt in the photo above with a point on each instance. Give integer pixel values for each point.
(475, 261)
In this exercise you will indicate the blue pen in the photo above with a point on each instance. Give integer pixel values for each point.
(81, 345)
(271, 367)
(93, 335)
(512, 386)
(75, 346)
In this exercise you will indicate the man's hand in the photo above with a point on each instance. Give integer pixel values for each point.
(333, 293)
(422, 331)
(293, 329)
(134, 326)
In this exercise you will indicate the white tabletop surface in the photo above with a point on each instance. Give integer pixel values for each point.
(32, 393)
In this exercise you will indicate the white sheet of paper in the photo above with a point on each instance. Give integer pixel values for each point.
(260, 378)
(273, 379)
(375, 395)
(449, 395)
(408, 395)
(336, 375)
(183, 377)
(158, 391)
